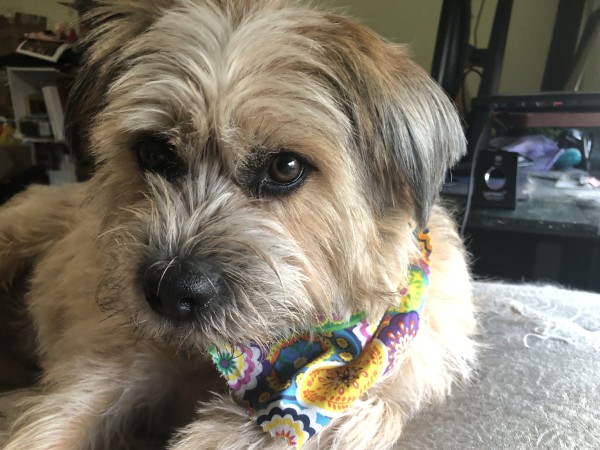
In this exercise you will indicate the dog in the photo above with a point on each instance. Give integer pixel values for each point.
(262, 170)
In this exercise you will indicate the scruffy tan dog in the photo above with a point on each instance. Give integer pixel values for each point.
(263, 173)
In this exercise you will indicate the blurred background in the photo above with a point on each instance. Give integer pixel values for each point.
(524, 75)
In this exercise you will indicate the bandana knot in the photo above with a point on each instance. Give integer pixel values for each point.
(296, 386)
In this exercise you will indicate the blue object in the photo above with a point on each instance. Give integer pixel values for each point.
(569, 157)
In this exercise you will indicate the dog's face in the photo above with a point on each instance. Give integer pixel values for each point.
(259, 166)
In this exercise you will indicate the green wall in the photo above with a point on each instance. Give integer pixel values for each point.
(415, 22)
(404, 21)
(49, 8)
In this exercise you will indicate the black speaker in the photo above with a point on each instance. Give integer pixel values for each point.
(496, 180)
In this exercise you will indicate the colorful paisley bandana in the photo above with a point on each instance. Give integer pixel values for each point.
(295, 387)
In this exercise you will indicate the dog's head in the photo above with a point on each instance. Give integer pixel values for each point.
(260, 165)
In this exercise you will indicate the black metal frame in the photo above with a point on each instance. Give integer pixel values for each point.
(452, 45)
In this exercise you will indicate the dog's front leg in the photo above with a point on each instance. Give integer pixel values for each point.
(84, 404)
(31, 222)
(373, 424)
(225, 425)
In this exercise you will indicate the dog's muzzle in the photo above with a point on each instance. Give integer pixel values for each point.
(182, 293)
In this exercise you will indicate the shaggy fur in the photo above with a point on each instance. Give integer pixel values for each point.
(222, 87)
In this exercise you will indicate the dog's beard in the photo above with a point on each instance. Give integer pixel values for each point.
(202, 216)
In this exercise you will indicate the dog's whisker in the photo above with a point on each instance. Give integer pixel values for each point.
(111, 231)
(182, 341)
(171, 263)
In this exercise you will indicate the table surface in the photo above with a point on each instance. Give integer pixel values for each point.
(546, 209)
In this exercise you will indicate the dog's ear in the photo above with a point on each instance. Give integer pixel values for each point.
(408, 130)
(110, 25)
(419, 129)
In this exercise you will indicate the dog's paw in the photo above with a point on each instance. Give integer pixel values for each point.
(224, 425)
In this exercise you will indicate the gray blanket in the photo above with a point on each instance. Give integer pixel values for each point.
(537, 383)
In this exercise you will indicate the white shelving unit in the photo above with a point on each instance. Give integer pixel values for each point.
(27, 82)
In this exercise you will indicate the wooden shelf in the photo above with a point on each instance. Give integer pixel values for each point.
(550, 119)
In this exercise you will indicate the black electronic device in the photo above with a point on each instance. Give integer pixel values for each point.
(496, 180)
(583, 109)
(541, 102)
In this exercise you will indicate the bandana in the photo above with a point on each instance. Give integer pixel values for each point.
(297, 385)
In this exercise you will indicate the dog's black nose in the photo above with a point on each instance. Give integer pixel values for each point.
(181, 293)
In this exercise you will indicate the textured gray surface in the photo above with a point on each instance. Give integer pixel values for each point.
(538, 381)
(537, 385)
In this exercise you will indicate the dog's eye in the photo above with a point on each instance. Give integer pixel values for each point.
(285, 168)
(285, 172)
(156, 154)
